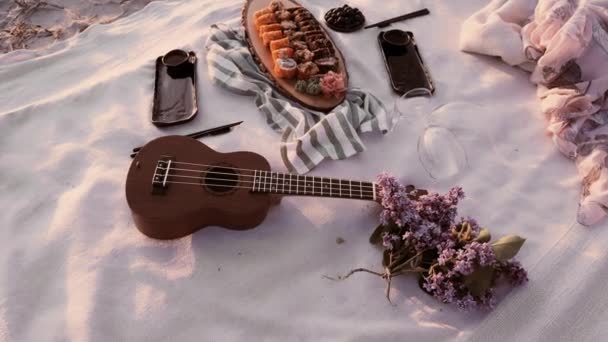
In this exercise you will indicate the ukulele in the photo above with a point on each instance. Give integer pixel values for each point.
(177, 185)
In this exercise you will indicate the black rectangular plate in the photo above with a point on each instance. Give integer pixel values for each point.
(405, 67)
(174, 98)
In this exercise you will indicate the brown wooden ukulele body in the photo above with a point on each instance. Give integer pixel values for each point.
(177, 185)
(179, 209)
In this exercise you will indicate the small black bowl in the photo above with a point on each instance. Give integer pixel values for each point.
(397, 37)
(178, 63)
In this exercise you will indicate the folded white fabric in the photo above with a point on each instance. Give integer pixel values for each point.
(564, 43)
(308, 136)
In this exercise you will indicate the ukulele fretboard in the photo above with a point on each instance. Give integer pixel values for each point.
(281, 183)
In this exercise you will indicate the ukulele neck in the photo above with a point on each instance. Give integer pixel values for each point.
(289, 184)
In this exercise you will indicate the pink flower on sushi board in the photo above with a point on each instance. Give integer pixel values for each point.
(332, 84)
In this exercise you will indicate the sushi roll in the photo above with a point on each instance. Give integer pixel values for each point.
(313, 37)
(269, 28)
(306, 70)
(304, 55)
(270, 36)
(296, 36)
(285, 68)
(300, 10)
(265, 19)
(310, 33)
(288, 33)
(283, 15)
(327, 64)
(288, 25)
(298, 45)
(322, 53)
(307, 22)
(310, 28)
(319, 44)
(276, 5)
(295, 10)
(303, 16)
(261, 12)
(282, 53)
(279, 44)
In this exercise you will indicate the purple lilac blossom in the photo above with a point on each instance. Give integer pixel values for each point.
(441, 287)
(474, 254)
(466, 302)
(475, 228)
(448, 286)
(513, 272)
(428, 221)
(388, 240)
(488, 301)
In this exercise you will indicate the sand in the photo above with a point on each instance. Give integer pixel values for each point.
(75, 268)
(32, 24)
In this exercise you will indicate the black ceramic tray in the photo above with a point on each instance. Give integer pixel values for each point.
(405, 66)
(174, 95)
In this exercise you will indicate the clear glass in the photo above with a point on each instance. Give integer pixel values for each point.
(411, 106)
(447, 131)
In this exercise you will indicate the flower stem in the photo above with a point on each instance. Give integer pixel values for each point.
(401, 265)
(389, 278)
(356, 270)
(413, 270)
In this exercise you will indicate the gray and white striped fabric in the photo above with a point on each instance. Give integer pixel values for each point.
(308, 136)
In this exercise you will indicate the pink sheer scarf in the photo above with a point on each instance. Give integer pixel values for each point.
(564, 43)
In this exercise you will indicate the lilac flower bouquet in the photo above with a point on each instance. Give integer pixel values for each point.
(454, 258)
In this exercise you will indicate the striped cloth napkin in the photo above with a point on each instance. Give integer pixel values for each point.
(308, 137)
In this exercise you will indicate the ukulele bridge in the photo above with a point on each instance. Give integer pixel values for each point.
(161, 175)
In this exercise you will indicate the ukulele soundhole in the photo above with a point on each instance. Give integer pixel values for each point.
(220, 179)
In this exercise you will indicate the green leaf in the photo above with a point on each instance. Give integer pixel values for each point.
(386, 257)
(483, 236)
(507, 247)
(480, 280)
(376, 236)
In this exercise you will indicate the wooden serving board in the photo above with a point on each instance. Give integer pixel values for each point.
(263, 57)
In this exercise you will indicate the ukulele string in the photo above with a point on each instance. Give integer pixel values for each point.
(334, 186)
(263, 186)
(232, 168)
(367, 196)
(199, 184)
(264, 177)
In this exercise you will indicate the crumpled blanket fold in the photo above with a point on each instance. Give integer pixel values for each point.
(564, 44)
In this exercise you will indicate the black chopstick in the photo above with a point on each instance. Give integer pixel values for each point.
(387, 22)
(211, 131)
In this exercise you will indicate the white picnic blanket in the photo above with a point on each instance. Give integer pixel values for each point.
(74, 267)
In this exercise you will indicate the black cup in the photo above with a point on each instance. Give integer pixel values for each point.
(178, 63)
(397, 40)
